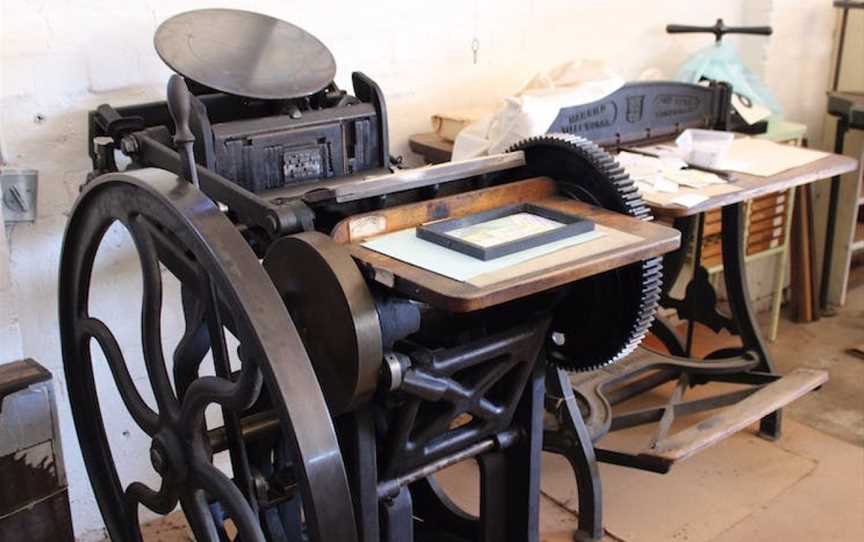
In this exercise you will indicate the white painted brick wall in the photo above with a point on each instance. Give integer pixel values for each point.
(58, 59)
(798, 60)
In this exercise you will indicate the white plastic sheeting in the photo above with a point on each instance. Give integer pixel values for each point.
(531, 110)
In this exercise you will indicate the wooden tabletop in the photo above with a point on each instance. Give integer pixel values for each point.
(748, 186)
(637, 241)
(434, 148)
(752, 186)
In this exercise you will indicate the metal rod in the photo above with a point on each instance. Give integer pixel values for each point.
(840, 44)
(650, 415)
(251, 428)
(427, 176)
(668, 416)
(390, 488)
(630, 390)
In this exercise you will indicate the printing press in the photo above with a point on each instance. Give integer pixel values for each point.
(346, 377)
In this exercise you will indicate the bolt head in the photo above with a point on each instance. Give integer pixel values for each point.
(129, 145)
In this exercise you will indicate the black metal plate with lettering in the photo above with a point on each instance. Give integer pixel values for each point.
(640, 110)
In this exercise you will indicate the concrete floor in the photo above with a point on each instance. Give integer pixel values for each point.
(807, 486)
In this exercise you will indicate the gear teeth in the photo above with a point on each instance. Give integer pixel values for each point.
(625, 198)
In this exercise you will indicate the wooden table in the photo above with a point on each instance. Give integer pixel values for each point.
(643, 240)
(436, 150)
(752, 186)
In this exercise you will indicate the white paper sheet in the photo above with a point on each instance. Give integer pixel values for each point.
(405, 246)
(766, 158)
(689, 200)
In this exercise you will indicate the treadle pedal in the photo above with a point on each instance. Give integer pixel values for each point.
(730, 420)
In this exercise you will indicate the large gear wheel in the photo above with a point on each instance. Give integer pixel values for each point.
(604, 317)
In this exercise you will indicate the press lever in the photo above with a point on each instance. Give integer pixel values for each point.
(180, 107)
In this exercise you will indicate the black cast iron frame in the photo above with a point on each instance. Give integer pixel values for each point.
(141, 132)
(504, 398)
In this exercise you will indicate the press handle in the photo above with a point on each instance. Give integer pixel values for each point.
(180, 107)
(719, 29)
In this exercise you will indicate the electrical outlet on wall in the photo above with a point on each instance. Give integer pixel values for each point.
(19, 192)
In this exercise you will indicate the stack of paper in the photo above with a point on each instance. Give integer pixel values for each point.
(665, 173)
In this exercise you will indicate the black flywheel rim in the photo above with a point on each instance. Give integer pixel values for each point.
(605, 317)
(175, 225)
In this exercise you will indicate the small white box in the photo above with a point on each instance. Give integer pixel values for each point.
(705, 148)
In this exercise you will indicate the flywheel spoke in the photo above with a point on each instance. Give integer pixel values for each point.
(199, 516)
(161, 502)
(193, 345)
(222, 366)
(222, 489)
(151, 313)
(212, 389)
(143, 415)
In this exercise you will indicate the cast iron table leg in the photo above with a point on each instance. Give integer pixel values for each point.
(510, 479)
(735, 273)
(673, 263)
(573, 441)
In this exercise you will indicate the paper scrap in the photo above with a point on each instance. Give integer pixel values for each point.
(766, 158)
(689, 200)
(662, 183)
(505, 229)
(694, 178)
(752, 112)
(645, 187)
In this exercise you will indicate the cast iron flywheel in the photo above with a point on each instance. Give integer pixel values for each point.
(177, 230)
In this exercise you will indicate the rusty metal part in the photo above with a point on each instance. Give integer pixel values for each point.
(334, 312)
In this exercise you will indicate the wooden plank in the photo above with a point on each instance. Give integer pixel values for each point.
(457, 296)
(432, 147)
(17, 375)
(365, 225)
(713, 261)
(730, 420)
(766, 215)
(773, 223)
(774, 201)
(761, 247)
(752, 186)
(764, 236)
(712, 229)
(801, 277)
